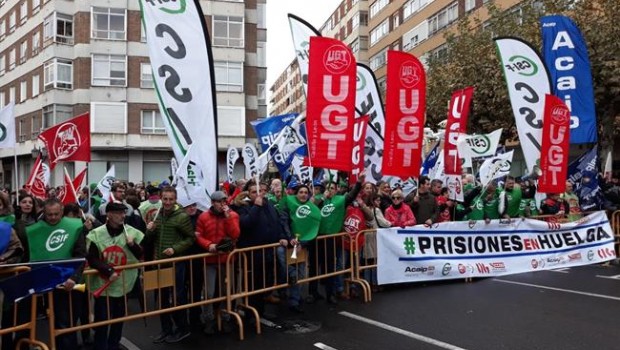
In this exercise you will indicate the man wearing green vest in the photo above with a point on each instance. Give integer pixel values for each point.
(333, 207)
(510, 199)
(58, 238)
(149, 207)
(113, 244)
(486, 205)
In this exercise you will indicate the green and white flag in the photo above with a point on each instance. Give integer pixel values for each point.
(7, 126)
(496, 167)
(183, 73)
(474, 146)
(528, 82)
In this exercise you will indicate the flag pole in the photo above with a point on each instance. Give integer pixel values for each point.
(16, 176)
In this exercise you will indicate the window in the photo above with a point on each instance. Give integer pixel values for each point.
(35, 128)
(415, 36)
(12, 94)
(56, 114)
(440, 53)
(261, 54)
(23, 12)
(261, 94)
(109, 70)
(36, 6)
(377, 61)
(58, 28)
(395, 20)
(231, 121)
(23, 91)
(380, 31)
(35, 85)
(360, 19)
(414, 6)
(2, 64)
(108, 23)
(11, 59)
(443, 18)
(58, 74)
(151, 123)
(355, 46)
(36, 42)
(108, 117)
(261, 21)
(378, 6)
(228, 76)
(12, 21)
(469, 5)
(23, 50)
(228, 31)
(22, 130)
(146, 76)
(2, 29)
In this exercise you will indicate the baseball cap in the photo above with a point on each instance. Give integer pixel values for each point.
(218, 196)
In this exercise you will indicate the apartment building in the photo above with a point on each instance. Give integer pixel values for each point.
(348, 23)
(61, 58)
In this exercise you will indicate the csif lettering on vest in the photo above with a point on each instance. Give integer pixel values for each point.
(329, 118)
(405, 108)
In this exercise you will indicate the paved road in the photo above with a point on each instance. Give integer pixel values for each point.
(568, 309)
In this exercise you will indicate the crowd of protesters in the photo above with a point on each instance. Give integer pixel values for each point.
(145, 222)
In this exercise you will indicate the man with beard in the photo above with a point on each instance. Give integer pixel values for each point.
(510, 199)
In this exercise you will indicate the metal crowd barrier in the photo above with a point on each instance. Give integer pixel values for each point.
(31, 325)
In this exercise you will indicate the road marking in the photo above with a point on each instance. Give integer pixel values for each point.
(411, 335)
(561, 270)
(614, 277)
(128, 344)
(323, 346)
(602, 296)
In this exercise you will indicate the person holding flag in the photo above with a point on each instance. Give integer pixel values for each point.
(112, 244)
(486, 205)
(301, 219)
(510, 199)
(58, 238)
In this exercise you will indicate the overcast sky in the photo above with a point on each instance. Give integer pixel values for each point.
(279, 43)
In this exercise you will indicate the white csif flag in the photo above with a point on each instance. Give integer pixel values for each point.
(7, 126)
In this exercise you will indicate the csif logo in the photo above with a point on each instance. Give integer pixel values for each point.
(55, 240)
(303, 211)
(327, 210)
(172, 7)
(3, 133)
(479, 144)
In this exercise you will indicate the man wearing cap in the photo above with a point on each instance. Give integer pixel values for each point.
(113, 244)
(214, 226)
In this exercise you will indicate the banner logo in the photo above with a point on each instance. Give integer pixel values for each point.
(3, 133)
(360, 82)
(446, 269)
(409, 74)
(107, 182)
(336, 59)
(66, 142)
(479, 144)
(559, 115)
(522, 65)
(115, 255)
(169, 6)
(56, 240)
(327, 210)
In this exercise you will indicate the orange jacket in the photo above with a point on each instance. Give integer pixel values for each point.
(212, 227)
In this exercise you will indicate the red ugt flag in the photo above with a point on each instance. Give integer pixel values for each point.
(331, 104)
(67, 195)
(68, 141)
(457, 123)
(555, 146)
(404, 115)
(79, 180)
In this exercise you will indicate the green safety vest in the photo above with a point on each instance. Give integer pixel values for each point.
(513, 202)
(525, 202)
(305, 218)
(480, 208)
(332, 215)
(8, 218)
(56, 242)
(148, 210)
(115, 252)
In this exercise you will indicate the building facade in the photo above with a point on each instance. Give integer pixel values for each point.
(348, 23)
(62, 58)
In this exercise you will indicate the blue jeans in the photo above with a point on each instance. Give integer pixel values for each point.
(295, 272)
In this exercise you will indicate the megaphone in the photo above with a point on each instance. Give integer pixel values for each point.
(80, 287)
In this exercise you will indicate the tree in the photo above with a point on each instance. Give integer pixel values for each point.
(472, 60)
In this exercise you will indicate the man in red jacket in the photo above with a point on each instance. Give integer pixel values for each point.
(214, 225)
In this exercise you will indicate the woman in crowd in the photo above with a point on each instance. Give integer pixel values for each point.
(399, 214)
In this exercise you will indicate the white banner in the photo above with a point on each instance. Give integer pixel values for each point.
(176, 37)
(304, 173)
(231, 158)
(458, 249)
(474, 146)
(496, 167)
(528, 82)
(188, 190)
(455, 187)
(105, 185)
(250, 160)
(7, 126)
(301, 32)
